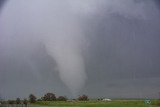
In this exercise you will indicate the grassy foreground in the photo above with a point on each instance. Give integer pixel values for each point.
(116, 103)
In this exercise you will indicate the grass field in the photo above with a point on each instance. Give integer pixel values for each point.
(93, 103)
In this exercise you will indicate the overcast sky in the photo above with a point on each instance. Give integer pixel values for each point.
(106, 48)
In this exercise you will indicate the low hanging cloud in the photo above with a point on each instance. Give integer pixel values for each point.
(57, 24)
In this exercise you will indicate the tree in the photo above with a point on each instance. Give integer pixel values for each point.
(11, 101)
(18, 101)
(49, 97)
(62, 98)
(32, 98)
(83, 98)
(25, 102)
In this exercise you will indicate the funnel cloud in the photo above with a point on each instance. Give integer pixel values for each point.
(53, 24)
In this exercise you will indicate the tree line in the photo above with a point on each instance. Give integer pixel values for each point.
(47, 97)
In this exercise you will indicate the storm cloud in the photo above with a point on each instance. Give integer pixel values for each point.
(107, 48)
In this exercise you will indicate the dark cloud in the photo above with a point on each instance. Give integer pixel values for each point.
(124, 58)
(2, 3)
(121, 56)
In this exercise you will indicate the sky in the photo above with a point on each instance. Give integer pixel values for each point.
(106, 48)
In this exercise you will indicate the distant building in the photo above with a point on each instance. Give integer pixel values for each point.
(106, 99)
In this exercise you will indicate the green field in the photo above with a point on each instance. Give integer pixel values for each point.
(93, 103)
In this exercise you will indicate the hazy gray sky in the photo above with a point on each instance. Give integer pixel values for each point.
(107, 48)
